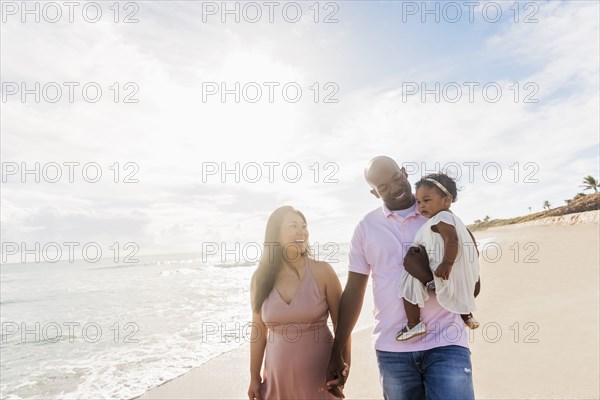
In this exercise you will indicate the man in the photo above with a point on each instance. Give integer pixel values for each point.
(436, 365)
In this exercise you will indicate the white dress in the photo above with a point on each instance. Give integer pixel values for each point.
(456, 293)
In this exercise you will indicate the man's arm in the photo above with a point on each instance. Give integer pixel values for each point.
(478, 284)
(333, 293)
(474, 241)
(350, 306)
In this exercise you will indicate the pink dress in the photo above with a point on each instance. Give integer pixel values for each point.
(298, 343)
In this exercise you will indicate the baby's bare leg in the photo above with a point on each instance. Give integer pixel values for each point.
(413, 313)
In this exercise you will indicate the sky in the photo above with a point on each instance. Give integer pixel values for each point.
(200, 125)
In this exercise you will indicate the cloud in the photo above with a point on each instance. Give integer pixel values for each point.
(171, 134)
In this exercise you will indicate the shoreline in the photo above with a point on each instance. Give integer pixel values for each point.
(234, 363)
(539, 336)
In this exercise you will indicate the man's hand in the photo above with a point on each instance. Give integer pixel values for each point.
(337, 373)
(416, 263)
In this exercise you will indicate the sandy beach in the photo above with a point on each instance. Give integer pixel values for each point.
(539, 314)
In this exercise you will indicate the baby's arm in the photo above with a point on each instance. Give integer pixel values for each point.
(450, 237)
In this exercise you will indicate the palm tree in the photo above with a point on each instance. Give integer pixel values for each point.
(590, 183)
(486, 219)
(529, 209)
(546, 204)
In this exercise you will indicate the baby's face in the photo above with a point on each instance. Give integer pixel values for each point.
(430, 201)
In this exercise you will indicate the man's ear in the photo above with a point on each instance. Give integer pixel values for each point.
(403, 170)
(374, 193)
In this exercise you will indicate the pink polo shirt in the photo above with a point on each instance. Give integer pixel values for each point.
(378, 246)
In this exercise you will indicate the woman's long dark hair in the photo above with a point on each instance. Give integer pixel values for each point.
(271, 260)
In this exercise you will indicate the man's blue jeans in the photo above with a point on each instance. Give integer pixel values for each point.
(438, 373)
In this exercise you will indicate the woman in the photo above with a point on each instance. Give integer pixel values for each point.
(292, 296)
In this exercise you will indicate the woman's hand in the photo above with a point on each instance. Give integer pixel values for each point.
(346, 370)
(254, 389)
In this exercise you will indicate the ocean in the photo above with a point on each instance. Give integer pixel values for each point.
(103, 330)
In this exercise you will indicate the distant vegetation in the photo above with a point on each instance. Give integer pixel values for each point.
(589, 183)
(580, 203)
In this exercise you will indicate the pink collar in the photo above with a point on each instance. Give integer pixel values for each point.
(387, 212)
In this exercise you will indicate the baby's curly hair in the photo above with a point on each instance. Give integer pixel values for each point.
(443, 180)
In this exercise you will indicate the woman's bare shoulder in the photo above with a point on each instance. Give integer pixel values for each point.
(322, 269)
(321, 265)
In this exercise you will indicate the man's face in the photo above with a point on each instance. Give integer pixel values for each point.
(390, 184)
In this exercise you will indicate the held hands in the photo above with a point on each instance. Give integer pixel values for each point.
(443, 270)
(254, 389)
(335, 386)
(337, 373)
